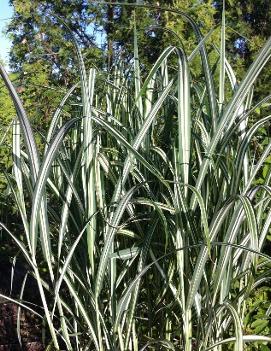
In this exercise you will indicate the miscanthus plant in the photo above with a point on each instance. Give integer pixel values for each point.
(145, 205)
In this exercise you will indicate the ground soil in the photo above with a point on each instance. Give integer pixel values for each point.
(30, 325)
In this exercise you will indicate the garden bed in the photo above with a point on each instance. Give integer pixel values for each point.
(30, 325)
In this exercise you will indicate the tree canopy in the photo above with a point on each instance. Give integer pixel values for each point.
(44, 60)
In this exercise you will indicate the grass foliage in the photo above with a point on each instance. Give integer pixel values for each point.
(145, 206)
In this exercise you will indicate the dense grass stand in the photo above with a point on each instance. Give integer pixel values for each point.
(145, 214)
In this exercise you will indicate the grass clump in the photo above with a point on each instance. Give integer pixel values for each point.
(145, 206)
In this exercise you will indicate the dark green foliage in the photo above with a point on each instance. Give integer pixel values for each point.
(7, 114)
(42, 52)
(248, 28)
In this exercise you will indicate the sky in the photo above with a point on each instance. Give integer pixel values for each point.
(5, 14)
